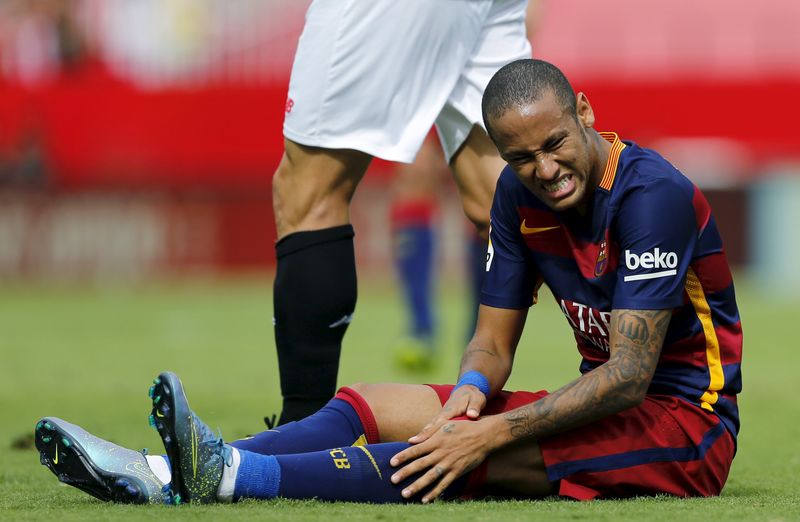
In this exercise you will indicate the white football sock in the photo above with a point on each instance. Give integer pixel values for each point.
(158, 464)
(228, 482)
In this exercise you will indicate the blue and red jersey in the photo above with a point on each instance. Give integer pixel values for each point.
(647, 242)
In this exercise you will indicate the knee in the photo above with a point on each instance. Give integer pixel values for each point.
(361, 388)
(374, 395)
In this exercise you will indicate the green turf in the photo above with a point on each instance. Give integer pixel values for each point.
(88, 355)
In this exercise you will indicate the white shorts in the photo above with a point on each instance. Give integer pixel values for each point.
(375, 75)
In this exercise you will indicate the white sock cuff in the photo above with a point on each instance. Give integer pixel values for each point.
(159, 466)
(228, 482)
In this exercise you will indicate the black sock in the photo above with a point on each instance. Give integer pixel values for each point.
(314, 299)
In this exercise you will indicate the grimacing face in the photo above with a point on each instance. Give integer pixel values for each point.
(551, 150)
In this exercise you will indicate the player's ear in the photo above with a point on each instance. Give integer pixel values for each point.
(584, 111)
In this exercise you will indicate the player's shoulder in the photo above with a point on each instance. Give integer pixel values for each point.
(508, 180)
(645, 172)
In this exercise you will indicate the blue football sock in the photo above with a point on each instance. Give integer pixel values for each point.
(336, 424)
(356, 474)
(258, 476)
(414, 261)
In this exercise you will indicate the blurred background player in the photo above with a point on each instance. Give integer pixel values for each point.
(369, 79)
(413, 218)
(416, 227)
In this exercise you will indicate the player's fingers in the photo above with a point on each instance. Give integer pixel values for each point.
(475, 406)
(412, 468)
(435, 473)
(409, 454)
(440, 487)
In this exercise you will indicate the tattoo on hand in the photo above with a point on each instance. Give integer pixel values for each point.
(448, 428)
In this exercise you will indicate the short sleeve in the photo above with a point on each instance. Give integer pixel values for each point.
(510, 274)
(657, 234)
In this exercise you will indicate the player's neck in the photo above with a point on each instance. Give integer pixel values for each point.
(602, 151)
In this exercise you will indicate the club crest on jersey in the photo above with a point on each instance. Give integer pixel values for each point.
(602, 259)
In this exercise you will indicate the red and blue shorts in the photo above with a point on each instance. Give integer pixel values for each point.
(665, 445)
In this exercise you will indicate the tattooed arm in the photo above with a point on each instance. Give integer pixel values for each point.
(456, 447)
(635, 343)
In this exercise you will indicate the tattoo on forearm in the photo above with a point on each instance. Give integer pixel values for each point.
(634, 327)
(636, 340)
(473, 353)
(477, 349)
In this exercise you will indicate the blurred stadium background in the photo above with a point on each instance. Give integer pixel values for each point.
(137, 143)
(138, 137)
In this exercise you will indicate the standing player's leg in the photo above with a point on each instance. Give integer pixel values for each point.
(475, 267)
(315, 283)
(474, 160)
(476, 167)
(472, 156)
(370, 76)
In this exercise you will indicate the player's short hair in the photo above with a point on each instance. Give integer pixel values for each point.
(523, 82)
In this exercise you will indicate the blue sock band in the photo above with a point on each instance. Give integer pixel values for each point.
(259, 476)
(475, 378)
(337, 424)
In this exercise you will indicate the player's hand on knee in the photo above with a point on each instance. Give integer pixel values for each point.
(458, 447)
(466, 400)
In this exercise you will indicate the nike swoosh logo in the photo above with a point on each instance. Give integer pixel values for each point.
(159, 414)
(344, 320)
(534, 230)
(194, 448)
(55, 459)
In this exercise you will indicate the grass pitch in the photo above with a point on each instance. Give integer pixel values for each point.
(88, 355)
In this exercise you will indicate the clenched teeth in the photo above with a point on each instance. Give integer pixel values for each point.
(557, 185)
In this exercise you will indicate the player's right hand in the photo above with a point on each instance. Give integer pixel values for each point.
(466, 400)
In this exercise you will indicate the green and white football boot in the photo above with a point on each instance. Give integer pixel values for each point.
(196, 453)
(98, 467)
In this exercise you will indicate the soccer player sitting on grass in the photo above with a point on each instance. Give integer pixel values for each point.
(630, 251)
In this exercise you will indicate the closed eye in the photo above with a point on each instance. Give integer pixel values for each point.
(554, 143)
